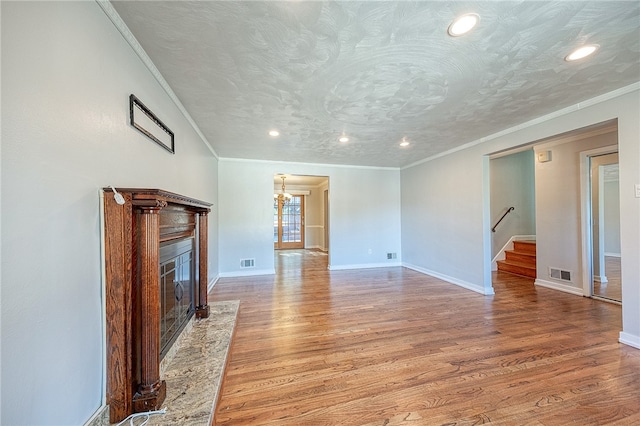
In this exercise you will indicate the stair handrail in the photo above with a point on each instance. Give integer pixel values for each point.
(509, 210)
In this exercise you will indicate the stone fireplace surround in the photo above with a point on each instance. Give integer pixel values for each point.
(134, 233)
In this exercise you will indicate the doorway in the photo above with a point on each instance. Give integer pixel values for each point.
(512, 209)
(604, 279)
(288, 223)
(562, 212)
(301, 223)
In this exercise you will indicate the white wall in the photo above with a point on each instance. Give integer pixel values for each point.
(442, 219)
(364, 214)
(66, 77)
(512, 185)
(446, 199)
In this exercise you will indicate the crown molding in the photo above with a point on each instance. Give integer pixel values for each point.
(576, 107)
(610, 126)
(343, 166)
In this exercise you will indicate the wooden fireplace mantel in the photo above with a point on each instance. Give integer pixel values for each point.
(133, 233)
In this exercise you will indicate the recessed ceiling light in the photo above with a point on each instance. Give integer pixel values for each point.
(581, 52)
(344, 139)
(404, 142)
(274, 133)
(463, 24)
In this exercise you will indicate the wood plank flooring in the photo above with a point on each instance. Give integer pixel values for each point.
(612, 289)
(392, 346)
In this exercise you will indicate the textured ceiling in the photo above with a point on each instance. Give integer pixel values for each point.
(378, 71)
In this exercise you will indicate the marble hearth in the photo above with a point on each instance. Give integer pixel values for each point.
(195, 372)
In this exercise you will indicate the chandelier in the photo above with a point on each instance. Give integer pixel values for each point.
(283, 197)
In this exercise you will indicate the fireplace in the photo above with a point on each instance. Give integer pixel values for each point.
(177, 291)
(156, 281)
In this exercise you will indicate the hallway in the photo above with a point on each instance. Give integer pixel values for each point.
(293, 261)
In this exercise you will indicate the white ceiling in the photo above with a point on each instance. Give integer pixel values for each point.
(378, 71)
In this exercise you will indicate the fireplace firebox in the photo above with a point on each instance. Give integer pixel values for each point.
(176, 290)
(156, 281)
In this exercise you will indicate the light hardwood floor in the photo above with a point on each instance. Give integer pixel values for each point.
(612, 289)
(393, 346)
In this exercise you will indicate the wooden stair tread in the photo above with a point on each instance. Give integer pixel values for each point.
(521, 260)
(521, 253)
(525, 246)
(516, 263)
(520, 257)
(517, 268)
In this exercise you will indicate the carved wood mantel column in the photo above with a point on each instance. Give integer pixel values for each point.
(202, 310)
(151, 390)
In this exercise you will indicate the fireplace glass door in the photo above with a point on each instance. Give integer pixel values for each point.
(177, 291)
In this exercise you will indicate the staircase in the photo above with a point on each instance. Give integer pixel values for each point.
(521, 260)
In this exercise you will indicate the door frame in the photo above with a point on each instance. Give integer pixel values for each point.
(586, 215)
(279, 245)
(325, 207)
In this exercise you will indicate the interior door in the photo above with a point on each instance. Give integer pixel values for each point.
(288, 223)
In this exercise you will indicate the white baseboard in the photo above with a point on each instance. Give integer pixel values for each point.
(629, 340)
(558, 286)
(248, 273)
(100, 417)
(363, 266)
(464, 284)
(213, 282)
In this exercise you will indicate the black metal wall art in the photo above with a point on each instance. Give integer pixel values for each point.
(149, 125)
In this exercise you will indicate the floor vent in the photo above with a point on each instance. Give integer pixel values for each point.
(247, 263)
(560, 274)
(392, 256)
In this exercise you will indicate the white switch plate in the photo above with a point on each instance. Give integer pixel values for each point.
(637, 190)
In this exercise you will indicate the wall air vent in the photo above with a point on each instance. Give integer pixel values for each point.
(560, 274)
(247, 263)
(392, 256)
